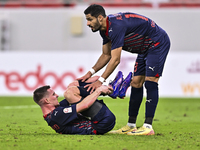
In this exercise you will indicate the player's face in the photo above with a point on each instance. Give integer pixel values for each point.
(93, 23)
(53, 98)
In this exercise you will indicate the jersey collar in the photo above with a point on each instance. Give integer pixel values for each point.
(107, 25)
(45, 116)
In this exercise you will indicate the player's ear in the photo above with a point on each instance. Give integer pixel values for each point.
(100, 18)
(46, 100)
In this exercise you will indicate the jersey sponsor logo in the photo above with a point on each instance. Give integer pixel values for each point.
(67, 110)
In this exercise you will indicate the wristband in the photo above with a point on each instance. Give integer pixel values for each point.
(101, 79)
(92, 71)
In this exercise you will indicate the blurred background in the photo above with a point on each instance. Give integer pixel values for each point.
(48, 42)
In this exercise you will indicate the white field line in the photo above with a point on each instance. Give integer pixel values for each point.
(19, 107)
(36, 106)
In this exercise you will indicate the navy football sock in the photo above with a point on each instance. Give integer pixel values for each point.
(152, 99)
(83, 91)
(132, 119)
(134, 103)
(83, 83)
(148, 120)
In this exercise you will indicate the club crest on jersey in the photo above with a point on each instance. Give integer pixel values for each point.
(67, 110)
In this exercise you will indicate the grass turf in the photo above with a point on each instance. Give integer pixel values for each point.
(176, 125)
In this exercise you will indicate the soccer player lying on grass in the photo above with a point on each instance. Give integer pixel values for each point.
(80, 112)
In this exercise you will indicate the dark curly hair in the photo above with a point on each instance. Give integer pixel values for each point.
(95, 10)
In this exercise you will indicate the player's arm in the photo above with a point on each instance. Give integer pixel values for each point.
(113, 63)
(104, 58)
(90, 99)
(101, 62)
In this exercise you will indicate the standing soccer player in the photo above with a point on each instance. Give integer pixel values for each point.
(133, 33)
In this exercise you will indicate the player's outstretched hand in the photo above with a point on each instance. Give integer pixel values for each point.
(85, 77)
(93, 86)
(92, 79)
(105, 90)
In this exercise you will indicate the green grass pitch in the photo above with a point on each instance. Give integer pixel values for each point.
(176, 125)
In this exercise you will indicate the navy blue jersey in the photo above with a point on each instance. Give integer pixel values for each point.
(65, 120)
(133, 32)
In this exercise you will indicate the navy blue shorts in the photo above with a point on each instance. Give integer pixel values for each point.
(104, 121)
(151, 63)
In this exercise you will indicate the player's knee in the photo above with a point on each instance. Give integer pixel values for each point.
(74, 83)
(67, 93)
(137, 81)
(70, 92)
(136, 84)
(153, 79)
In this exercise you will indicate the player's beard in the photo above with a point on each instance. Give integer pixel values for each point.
(96, 27)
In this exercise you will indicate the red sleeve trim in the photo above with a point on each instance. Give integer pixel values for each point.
(107, 26)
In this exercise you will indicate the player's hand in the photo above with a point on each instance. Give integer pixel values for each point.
(105, 90)
(92, 79)
(85, 77)
(93, 86)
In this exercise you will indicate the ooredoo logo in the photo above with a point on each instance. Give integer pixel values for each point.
(14, 80)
